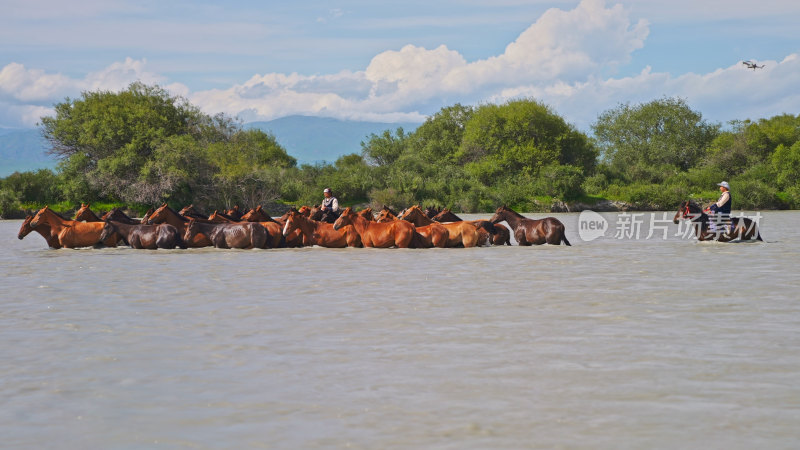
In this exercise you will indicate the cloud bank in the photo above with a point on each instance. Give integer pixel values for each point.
(562, 59)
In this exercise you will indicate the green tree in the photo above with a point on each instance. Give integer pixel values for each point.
(383, 150)
(521, 137)
(109, 137)
(653, 140)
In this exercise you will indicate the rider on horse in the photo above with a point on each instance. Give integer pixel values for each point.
(330, 204)
(720, 212)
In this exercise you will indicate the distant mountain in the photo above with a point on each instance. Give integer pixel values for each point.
(22, 150)
(316, 139)
(309, 139)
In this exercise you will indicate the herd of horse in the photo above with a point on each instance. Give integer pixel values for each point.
(414, 227)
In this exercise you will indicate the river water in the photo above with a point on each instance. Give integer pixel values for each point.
(616, 342)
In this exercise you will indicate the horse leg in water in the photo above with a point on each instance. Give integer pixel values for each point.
(519, 235)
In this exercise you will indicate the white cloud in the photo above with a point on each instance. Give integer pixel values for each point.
(561, 45)
(561, 59)
(31, 92)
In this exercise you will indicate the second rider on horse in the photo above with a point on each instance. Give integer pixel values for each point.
(720, 212)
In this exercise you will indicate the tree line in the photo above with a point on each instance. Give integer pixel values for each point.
(142, 146)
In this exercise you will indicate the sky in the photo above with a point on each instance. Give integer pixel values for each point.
(404, 61)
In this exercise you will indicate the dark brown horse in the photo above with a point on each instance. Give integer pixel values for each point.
(245, 235)
(72, 233)
(117, 215)
(741, 228)
(316, 213)
(501, 235)
(165, 214)
(321, 233)
(458, 233)
(531, 231)
(433, 211)
(43, 229)
(84, 214)
(373, 234)
(140, 236)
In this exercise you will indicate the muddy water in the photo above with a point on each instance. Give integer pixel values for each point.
(611, 343)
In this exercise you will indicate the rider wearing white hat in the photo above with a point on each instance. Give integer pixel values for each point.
(330, 203)
(723, 205)
(720, 212)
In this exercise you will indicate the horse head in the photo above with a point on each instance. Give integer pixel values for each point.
(367, 214)
(500, 214)
(292, 218)
(191, 230)
(687, 210)
(39, 215)
(85, 214)
(108, 230)
(346, 218)
(432, 211)
(26, 228)
(305, 210)
(385, 215)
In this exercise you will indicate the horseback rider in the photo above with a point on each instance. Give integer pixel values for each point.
(330, 204)
(720, 211)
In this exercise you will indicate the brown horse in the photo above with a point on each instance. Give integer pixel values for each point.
(374, 234)
(320, 233)
(165, 214)
(427, 236)
(256, 215)
(432, 211)
(117, 215)
(245, 235)
(43, 229)
(500, 237)
(740, 228)
(235, 213)
(140, 236)
(72, 233)
(218, 217)
(458, 233)
(367, 214)
(190, 212)
(385, 215)
(531, 231)
(84, 214)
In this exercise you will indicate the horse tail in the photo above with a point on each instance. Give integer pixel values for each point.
(564, 239)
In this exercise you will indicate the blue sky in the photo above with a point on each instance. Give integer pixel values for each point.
(402, 61)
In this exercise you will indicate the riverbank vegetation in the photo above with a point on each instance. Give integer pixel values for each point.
(142, 146)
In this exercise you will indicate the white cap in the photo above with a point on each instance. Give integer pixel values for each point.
(725, 185)
(326, 190)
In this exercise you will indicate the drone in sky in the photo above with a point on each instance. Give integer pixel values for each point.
(752, 65)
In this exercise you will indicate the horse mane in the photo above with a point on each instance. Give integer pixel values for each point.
(165, 206)
(57, 214)
(389, 209)
(514, 213)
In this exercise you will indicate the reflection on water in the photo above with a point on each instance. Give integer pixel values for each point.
(610, 343)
